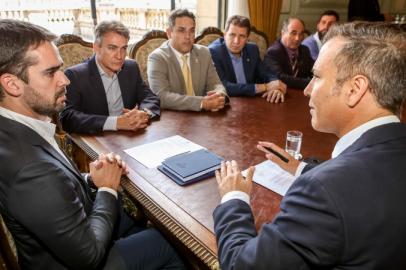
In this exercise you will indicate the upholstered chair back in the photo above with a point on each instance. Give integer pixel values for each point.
(73, 49)
(260, 39)
(208, 35)
(140, 51)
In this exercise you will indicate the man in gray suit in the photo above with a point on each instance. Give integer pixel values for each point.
(182, 73)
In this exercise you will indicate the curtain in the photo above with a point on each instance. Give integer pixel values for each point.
(264, 15)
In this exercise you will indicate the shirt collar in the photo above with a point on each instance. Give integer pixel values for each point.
(45, 129)
(317, 39)
(178, 54)
(349, 138)
(102, 72)
(235, 57)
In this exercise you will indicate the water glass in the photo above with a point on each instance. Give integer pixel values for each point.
(293, 143)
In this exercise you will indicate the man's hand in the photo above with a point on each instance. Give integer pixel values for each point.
(276, 85)
(229, 178)
(274, 96)
(214, 101)
(132, 120)
(292, 164)
(106, 171)
(275, 91)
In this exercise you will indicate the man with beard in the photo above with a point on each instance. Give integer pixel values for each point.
(287, 58)
(55, 220)
(313, 42)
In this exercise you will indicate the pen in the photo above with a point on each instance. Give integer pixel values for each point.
(276, 154)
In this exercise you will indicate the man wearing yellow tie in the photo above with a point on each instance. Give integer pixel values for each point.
(182, 73)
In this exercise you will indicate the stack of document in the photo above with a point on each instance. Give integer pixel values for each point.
(182, 160)
(190, 167)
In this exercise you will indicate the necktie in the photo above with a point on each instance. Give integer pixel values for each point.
(187, 75)
(295, 67)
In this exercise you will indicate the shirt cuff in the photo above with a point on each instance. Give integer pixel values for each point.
(111, 123)
(235, 194)
(300, 168)
(109, 190)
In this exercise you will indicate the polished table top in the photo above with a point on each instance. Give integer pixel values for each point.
(233, 134)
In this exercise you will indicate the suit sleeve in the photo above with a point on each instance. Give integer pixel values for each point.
(213, 82)
(44, 199)
(73, 118)
(147, 99)
(233, 89)
(273, 63)
(158, 77)
(307, 232)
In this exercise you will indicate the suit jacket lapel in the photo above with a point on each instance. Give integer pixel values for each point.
(247, 63)
(195, 70)
(124, 86)
(173, 61)
(97, 85)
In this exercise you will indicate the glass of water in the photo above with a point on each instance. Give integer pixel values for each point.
(293, 143)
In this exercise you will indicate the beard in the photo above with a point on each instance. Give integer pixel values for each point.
(321, 35)
(40, 105)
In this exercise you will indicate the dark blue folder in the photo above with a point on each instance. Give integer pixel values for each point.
(190, 167)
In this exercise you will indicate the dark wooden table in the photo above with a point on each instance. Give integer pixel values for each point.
(186, 212)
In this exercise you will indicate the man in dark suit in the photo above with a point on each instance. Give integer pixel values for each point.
(346, 213)
(239, 65)
(107, 92)
(55, 220)
(288, 58)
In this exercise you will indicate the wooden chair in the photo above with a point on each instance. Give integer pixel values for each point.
(8, 250)
(260, 39)
(140, 51)
(73, 49)
(208, 35)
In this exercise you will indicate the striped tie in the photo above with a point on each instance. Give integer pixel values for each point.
(295, 66)
(187, 75)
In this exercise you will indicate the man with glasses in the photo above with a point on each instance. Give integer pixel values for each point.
(287, 58)
(107, 92)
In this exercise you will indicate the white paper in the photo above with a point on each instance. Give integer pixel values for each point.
(273, 177)
(152, 154)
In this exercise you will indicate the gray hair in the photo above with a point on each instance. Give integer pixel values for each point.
(110, 26)
(378, 52)
(17, 38)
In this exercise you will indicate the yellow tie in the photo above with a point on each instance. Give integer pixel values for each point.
(187, 75)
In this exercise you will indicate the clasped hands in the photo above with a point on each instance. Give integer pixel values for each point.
(229, 177)
(132, 119)
(214, 101)
(107, 170)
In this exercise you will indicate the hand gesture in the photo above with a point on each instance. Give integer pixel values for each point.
(229, 178)
(290, 166)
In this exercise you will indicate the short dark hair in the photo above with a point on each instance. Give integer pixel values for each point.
(378, 52)
(110, 26)
(286, 22)
(240, 21)
(178, 13)
(17, 38)
(330, 13)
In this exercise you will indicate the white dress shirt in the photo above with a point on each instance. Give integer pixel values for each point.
(46, 130)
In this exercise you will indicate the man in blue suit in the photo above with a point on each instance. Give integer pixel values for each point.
(107, 92)
(239, 65)
(348, 212)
